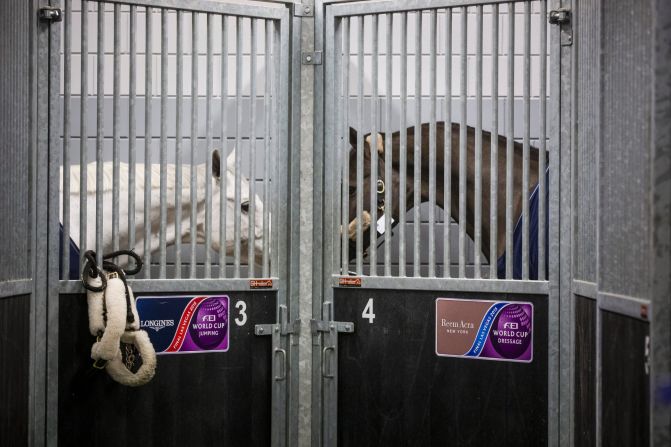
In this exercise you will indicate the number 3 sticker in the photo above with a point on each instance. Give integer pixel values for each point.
(368, 311)
(242, 307)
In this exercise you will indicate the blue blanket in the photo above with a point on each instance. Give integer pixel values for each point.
(533, 239)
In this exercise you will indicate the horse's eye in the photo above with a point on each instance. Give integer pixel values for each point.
(244, 206)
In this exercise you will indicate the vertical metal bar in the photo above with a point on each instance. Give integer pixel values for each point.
(252, 150)
(194, 140)
(542, 151)
(266, 159)
(67, 81)
(494, 148)
(463, 133)
(333, 193)
(179, 141)
(100, 133)
(132, 126)
(417, 156)
(525, 146)
(432, 144)
(83, 137)
(223, 202)
(373, 151)
(147, 141)
(510, 140)
(164, 143)
(208, 150)
(388, 153)
(279, 157)
(359, 148)
(238, 146)
(478, 146)
(116, 136)
(447, 148)
(344, 154)
(403, 151)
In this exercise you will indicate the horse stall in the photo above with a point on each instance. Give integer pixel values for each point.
(167, 150)
(335, 223)
(526, 314)
(439, 107)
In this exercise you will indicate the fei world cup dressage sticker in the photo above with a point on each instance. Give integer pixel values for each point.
(186, 324)
(490, 330)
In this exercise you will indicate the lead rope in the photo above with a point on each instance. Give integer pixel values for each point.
(113, 320)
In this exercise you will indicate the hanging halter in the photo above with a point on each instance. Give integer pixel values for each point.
(113, 320)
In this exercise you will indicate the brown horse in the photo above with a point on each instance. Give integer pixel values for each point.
(442, 200)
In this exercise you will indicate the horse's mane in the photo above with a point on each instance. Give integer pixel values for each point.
(124, 177)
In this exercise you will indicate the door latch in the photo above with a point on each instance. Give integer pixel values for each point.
(559, 16)
(562, 17)
(50, 14)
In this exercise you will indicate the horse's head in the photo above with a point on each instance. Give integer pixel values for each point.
(380, 183)
(246, 217)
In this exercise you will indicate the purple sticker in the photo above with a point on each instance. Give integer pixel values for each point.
(186, 324)
(493, 330)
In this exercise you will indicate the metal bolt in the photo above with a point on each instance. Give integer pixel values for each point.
(260, 330)
(277, 329)
(332, 326)
(307, 10)
(559, 17)
(50, 14)
(308, 58)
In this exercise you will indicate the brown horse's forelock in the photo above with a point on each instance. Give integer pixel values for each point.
(379, 147)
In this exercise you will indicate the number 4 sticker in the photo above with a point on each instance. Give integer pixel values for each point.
(368, 311)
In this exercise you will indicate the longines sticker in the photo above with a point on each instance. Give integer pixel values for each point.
(491, 330)
(186, 324)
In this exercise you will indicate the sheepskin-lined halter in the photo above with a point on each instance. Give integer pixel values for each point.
(113, 320)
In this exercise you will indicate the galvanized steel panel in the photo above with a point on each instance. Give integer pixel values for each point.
(624, 173)
(585, 150)
(15, 141)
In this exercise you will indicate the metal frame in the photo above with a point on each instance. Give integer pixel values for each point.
(561, 286)
(49, 145)
(324, 395)
(660, 333)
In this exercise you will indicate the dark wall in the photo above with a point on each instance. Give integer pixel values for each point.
(14, 372)
(585, 372)
(626, 382)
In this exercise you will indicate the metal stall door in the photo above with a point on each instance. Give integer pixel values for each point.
(168, 136)
(438, 327)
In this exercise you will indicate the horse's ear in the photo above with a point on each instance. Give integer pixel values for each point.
(352, 136)
(216, 164)
(379, 144)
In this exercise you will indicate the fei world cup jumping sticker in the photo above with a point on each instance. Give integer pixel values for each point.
(490, 330)
(186, 324)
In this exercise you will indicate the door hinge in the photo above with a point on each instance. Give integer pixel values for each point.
(281, 328)
(562, 17)
(314, 58)
(317, 326)
(50, 14)
(646, 355)
(304, 11)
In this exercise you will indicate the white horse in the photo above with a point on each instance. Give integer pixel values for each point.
(185, 235)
